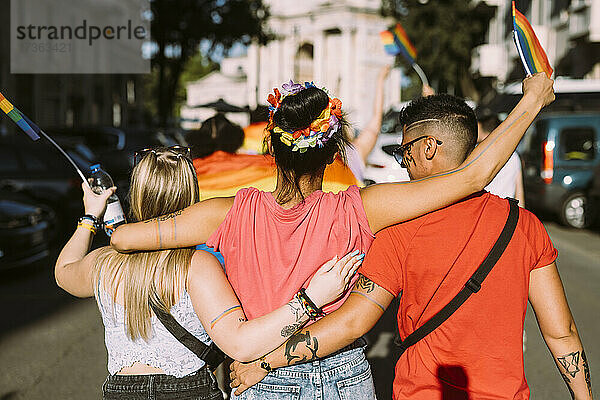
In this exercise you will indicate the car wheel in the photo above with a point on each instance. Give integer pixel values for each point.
(575, 211)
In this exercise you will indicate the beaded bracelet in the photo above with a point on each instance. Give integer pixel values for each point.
(309, 307)
(87, 226)
(91, 218)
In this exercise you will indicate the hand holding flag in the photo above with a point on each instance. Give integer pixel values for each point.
(396, 41)
(530, 50)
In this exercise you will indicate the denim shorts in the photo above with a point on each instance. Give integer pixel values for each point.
(343, 376)
(201, 385)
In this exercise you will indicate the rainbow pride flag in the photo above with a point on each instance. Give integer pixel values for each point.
(530, 50)
(223, 174)
(395, 41)
(19, 118)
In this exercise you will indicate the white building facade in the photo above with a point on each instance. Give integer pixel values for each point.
(334, 44)
(569, 31)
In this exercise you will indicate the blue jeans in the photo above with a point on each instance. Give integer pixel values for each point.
(201, 385)
(344, 376)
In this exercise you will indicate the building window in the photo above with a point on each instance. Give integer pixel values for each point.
(303, 63)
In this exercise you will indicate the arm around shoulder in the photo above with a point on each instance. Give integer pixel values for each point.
(188, 227)
(392, 203)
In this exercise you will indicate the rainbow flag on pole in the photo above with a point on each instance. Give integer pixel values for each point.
(395, 41)
(530, 50)
(19, 118)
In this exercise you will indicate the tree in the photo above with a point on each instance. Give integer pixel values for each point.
(179, 27)
(444, 32)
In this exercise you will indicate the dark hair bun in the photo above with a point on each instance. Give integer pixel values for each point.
(298, 111)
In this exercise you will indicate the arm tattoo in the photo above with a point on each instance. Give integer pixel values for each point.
(169, 216)
(289, 330)
(306, 342)
(586, 371)
(368, 298)
(365, 284)
(568, 383)
(569, 363)
(224, 314)
(164, 218)
(296, 309)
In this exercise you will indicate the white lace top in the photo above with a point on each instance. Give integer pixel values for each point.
(162, 349)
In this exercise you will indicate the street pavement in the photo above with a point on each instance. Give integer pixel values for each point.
(51, 344)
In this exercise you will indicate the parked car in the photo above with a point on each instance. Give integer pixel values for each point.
(26, 230)
(37, 170)
(107, 143)
(381, 165)
(560, 153)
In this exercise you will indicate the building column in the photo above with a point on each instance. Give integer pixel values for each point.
(319, 58)
(252, 76)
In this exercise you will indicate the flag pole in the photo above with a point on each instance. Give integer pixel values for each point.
(421, 74)
(33, 131)
(64, 153)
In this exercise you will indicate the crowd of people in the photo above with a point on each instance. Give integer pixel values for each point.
(293, 297)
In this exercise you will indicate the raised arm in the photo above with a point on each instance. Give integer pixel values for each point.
(367, 138)
(184, 228)
(391, 203)
(221, 315)
(353, 319)
(73, 268)
(557, 325)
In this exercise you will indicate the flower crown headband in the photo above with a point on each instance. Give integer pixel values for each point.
(318, 132)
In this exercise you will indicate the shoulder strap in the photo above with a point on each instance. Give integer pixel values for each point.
(211, 355)
(473, 284)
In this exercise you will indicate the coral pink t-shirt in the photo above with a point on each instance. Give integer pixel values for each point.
(271, 252)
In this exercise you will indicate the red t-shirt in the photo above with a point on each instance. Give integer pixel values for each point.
(429, 259)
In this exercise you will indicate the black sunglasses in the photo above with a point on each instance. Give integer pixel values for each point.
(400, 151)
(177, 150)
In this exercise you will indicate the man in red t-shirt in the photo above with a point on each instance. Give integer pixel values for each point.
(477, 352)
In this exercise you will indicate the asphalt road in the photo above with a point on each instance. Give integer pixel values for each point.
(51, 345)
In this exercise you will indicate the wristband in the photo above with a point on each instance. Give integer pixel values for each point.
(87, 226)
(309, 307)
(92, 218)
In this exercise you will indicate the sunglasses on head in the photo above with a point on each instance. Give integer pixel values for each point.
(177, 150)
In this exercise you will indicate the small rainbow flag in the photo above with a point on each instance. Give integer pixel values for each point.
(530, 50)
(395, 41)
(26, 125)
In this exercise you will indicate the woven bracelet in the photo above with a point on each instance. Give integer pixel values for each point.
(309, 307)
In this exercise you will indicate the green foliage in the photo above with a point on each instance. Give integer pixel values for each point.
(444, 33)
(179, 27)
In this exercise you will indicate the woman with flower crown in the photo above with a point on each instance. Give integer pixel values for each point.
(268, 238)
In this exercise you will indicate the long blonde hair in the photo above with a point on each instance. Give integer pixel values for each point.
(163, 182)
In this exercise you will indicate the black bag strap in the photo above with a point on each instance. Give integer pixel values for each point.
(211, 355)
(473, 284)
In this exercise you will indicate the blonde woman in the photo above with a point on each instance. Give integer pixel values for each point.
(143, 357)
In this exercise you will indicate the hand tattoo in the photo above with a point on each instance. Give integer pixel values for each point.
(365, 284)
(297, 340)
